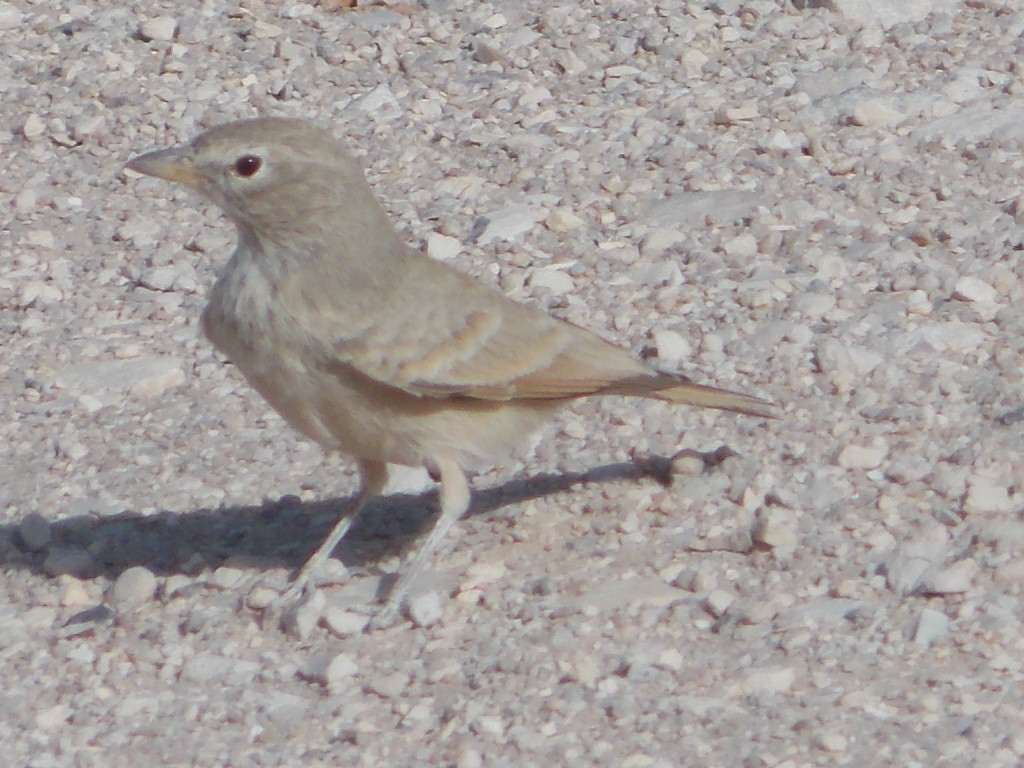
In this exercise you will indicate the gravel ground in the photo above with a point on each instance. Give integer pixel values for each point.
(819, 206)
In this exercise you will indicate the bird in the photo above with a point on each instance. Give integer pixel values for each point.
(372, 348)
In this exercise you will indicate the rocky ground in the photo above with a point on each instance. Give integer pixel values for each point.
(822, 206)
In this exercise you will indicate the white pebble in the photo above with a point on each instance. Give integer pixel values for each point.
(33, 126)
(984, 496)
(133, 587)
(10, 17)
(442, 247)
(862, 456)
(389, 686)
(344, 623)
(506, 223)
(776, 529)
(932, 625)
(969, 288)
(672, 347)
(954, 580)
(300, 620)
(876, 113)
(160, 28)
(718, 602)
(563, 220)
(339, 671)
(555, 280)
(741, 245)
(768, 679)
(425, 608)
(832, 742)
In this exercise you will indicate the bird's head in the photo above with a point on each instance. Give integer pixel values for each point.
(268, 174)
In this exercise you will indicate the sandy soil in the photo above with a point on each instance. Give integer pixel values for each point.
(819, 206)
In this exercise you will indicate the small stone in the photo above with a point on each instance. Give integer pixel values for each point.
(74, 592)
(496, 21)
(737, 113)
(585, 669)
(689, 209)
(301, 619)
(673, 348)
(226, 577)
(425, 608)
(133, 587)
(555, 280)
(768, 680)
(718, 601)
(615, 595)
(688, 463)
(34, 532)
(390, 686)
(912, 560)
(533, 98)
(178, 585)
(339, 671)
(504, 224)
(33, 127)
(569, 62)
(481, 573)
(660, 241)
(862, 456)
(974, 290)
(442, 247)
(159, 28)
(985, 497)
(622, 70)
(87, 126)
(563, 220)
(344, 623)
(285, 708)
(314, 668)
(380, 101)
(260, 598)
(484, 53)
(671, 659)
(160, 278)
(744, 245)
(831, 742)
(38, 293)
(876, 113)
(214, 668)
(954, 580)
(932, 625)
(774, 528)
(10, 17)
(263, 30)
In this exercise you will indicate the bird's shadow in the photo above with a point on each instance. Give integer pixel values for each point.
(279, 533)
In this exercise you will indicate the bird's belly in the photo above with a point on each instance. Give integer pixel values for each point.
(346, 411)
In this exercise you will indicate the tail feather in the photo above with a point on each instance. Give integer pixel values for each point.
(679, 389)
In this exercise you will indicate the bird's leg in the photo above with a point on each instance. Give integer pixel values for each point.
(373, 476)
(454, 503)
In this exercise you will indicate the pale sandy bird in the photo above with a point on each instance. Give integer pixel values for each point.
(372, 348)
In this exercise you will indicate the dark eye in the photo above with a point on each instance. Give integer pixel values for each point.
(247, 165)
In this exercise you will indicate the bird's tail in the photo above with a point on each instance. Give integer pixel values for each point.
(679, 389)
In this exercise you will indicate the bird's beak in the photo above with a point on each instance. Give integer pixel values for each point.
(174, 164)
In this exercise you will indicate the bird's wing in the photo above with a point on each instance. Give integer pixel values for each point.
(440, 333)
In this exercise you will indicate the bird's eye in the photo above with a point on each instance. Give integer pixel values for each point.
(247, 165)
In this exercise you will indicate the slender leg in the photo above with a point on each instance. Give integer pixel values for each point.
(373, 476)
(454, 503)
